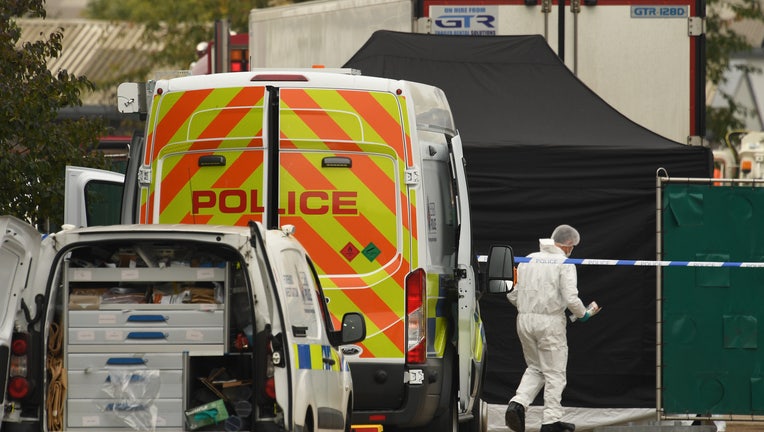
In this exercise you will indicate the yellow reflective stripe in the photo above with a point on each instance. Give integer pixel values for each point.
(311, 356)
(479, 337)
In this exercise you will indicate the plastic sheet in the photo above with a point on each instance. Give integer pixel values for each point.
(131, 395)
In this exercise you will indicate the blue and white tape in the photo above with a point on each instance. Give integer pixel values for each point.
(638, 263)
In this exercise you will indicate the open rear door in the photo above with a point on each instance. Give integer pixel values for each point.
(93, 197)
(19, 249)
(470, 349)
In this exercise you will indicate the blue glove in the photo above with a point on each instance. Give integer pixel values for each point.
(585, 317)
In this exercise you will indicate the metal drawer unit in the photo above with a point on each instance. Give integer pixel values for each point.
(142, 343)
(84, 413)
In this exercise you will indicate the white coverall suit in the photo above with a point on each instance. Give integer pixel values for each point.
(541, 295)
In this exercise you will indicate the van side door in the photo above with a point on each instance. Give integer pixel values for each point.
(92, 196)
(19, 250)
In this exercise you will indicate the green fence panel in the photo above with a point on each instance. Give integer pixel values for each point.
(712, 351)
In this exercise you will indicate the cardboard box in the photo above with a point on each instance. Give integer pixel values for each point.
(84, 301)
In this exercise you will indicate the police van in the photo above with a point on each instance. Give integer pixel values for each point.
(158, 327)
(371, 173)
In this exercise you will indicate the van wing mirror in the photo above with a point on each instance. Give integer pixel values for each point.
(500, 269)
(353, 330)
(131, 98)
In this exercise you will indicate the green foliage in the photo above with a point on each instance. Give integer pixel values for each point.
(722, 42)
(179, 25)
(35, 147)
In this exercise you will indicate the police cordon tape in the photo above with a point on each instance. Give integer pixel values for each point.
(636, 263)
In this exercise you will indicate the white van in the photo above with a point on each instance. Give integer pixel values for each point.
(159, 327)
(371, 171)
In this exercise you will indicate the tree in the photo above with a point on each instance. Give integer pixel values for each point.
(35, 147)
(722, 42)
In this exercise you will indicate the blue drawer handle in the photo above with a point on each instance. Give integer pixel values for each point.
(124, 407)
(147, 318)
(126, 361)
(146, 335)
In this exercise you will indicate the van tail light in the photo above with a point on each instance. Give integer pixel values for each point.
(18, 366)
(19, 346)
(18, 383)
(416, 342)
(18, 387)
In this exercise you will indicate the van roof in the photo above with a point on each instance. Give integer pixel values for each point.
(330, 78)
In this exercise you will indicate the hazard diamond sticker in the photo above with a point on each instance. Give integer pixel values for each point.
(350, 251)
(371, 252)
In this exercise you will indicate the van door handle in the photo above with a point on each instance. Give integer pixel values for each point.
(329, 361)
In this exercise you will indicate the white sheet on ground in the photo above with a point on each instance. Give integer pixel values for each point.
(585, 419)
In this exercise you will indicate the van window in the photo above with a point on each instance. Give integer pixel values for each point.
(440, 200)
(301, 301)
(103, 202)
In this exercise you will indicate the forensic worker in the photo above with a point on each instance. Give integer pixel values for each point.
(543, 290)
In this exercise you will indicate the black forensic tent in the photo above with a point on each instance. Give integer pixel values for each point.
(542, 149)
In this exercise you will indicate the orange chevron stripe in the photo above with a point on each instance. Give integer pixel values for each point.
(318, 121)
(369, 108)
(198, 219)
(241, 169)
(223, 124)
(394, 334)
(306, 173)
(172, 120)
(378, 181)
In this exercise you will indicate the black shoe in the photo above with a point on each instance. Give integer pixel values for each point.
(515, 417)
(558, 427)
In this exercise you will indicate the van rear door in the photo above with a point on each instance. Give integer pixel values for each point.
(205, 150)
(93, 196)
(19, 249)
(343, 158)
